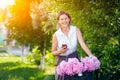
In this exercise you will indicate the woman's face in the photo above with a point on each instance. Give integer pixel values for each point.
(64, 20)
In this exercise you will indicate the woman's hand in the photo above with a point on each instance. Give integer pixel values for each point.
(91, 55)
(63, 49)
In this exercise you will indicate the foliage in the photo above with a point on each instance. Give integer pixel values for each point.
(49, 58)
(32, 23)
(42, 26)
(105, 38)
(32, 27)
(34, 56)
(42, 22)
(99, 22)
(19, 23)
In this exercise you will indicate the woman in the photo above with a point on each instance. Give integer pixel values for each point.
(64, 43)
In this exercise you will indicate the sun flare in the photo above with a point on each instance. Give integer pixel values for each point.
(4, 3)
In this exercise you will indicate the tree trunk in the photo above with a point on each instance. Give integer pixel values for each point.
(43, 58)
(22, 54)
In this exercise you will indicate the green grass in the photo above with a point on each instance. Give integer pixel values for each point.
(11, 68)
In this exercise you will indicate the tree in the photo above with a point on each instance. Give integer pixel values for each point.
(19, 24)
(42, 25)
(30, 23)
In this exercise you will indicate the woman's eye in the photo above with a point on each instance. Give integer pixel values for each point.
(61, 19)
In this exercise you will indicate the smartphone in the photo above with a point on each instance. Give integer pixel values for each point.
(64, 46)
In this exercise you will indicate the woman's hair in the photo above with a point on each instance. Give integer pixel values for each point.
(62, 13)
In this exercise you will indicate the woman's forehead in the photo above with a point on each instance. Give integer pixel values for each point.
(63, 16)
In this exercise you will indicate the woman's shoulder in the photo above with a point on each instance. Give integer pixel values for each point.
(57, 31)
(73, 27)
(76, 29)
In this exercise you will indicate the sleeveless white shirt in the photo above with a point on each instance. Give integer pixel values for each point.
(70, 40)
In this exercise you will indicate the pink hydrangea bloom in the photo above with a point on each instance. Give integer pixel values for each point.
(72, 67)
(61, 68)
(58, 70)
(90, 63)
(96, 63)
(77, 66)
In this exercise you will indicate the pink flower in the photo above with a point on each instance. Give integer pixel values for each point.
(69, 70)
(77, 66)
(96, 63)
(58, 70)
(90, 63)
(61, 68)
(72, 67)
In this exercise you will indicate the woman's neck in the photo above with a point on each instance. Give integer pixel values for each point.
(65, 30)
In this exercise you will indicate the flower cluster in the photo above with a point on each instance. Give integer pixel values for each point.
(74, 66)
(90, 63)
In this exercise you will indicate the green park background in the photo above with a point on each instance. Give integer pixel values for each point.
(33, 22)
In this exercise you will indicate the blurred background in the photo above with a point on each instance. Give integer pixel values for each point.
(27, 26)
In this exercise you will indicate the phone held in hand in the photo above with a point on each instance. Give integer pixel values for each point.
(64, 46)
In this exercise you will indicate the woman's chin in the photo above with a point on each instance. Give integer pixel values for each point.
(64, 26)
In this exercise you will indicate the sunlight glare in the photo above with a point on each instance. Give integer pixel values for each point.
(4, 3)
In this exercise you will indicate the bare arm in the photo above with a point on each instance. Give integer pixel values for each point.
(82, 43)
(56, 52)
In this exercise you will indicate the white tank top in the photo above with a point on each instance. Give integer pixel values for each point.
(70, 40)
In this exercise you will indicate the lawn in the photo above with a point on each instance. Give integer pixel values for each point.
(11, 68)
